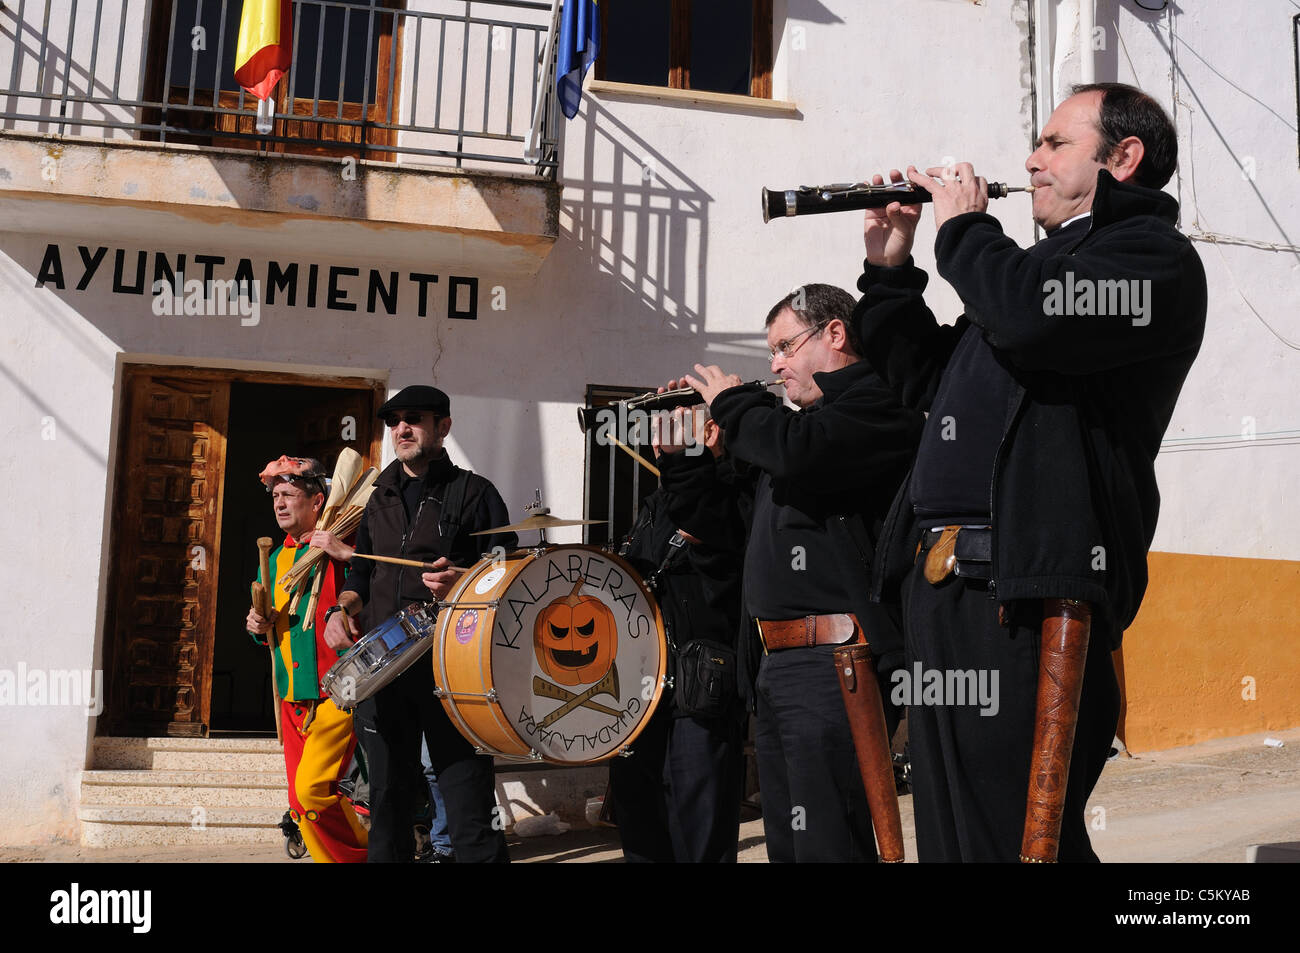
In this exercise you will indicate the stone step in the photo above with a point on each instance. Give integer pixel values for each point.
(185, 788)
(183, 791)
(188, 754)
(131, 825)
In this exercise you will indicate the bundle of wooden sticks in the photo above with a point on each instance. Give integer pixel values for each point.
(349, 490)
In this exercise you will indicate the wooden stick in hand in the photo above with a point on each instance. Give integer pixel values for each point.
(264, 546)
(427, 567)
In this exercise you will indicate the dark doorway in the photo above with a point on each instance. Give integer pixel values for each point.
(267, 420)
(180, 495)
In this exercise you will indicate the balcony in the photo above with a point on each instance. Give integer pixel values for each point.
(421, 134)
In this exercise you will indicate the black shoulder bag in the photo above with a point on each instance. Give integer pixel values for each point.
(703, 671)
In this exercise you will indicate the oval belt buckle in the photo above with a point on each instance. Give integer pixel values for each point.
(941, 560)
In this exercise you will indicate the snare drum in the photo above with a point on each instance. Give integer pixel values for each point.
(379, 656)
(554, 654)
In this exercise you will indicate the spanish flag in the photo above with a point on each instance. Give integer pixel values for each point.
(265, 45)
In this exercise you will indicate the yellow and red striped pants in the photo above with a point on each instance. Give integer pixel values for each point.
(317, 758)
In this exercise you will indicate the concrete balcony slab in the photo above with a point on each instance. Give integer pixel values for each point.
(485, 223)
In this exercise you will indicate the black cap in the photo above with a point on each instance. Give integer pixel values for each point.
(418, 397)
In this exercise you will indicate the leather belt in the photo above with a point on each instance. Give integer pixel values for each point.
(965, 551)
(836, 629)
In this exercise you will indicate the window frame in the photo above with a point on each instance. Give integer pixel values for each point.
(302, 134)
(623, 483)
(761, 53)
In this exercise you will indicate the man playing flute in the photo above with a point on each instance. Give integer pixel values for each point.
(820, 479)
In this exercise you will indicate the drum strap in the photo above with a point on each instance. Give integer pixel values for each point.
(676, 552)
(451, 517)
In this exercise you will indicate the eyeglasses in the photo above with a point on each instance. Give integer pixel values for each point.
(412, 417)
(785, 349)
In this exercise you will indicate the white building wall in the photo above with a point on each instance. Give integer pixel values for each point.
(56, 408)
(1230, 85)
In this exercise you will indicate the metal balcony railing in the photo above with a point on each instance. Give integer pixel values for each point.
(453, 83)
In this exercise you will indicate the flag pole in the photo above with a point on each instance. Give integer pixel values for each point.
(533, 150)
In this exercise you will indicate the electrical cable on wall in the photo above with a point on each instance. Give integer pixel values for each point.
(1210, 237)
(1205, 234)
(1269, 438)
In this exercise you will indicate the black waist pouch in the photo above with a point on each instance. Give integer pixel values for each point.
(705, 680)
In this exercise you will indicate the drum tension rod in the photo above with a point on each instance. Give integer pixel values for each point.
(491, 694)
(533, 754)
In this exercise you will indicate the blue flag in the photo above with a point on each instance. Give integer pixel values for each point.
(579, 40)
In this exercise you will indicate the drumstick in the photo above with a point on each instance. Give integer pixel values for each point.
(427, 567)
(635, 456)
(350, 601)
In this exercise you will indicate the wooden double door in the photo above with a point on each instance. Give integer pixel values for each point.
(187, 436)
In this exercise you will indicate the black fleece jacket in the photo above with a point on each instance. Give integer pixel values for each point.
(839, 462)
(697, 585)
(385, 530)
(1074, 497)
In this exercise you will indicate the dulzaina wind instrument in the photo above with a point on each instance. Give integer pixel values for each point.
(846, 196)
(589, 418)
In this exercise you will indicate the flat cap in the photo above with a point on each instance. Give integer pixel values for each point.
(418, 397)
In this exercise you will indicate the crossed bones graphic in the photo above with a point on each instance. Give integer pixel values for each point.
(608, 685)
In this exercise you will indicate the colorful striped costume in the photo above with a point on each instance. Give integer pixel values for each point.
(317, 748)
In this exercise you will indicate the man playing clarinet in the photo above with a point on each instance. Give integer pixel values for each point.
(1018, 543)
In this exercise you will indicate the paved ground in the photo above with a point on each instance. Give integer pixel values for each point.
(1208, 802)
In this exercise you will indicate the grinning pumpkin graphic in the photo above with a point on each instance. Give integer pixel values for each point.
(575, 638)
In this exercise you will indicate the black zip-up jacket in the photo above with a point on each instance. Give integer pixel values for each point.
(696, 585)
(839, 461)
(386, 531)
(702, 581)
(1074, 498)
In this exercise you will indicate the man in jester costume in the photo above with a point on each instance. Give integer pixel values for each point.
(318, 737)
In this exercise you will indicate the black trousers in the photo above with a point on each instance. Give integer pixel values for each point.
(390, 725)
(970, 771)
(677, 796)
(814, 805)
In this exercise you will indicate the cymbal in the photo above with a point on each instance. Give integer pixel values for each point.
(542, 522)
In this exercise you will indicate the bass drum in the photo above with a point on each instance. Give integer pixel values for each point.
(555, 654)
